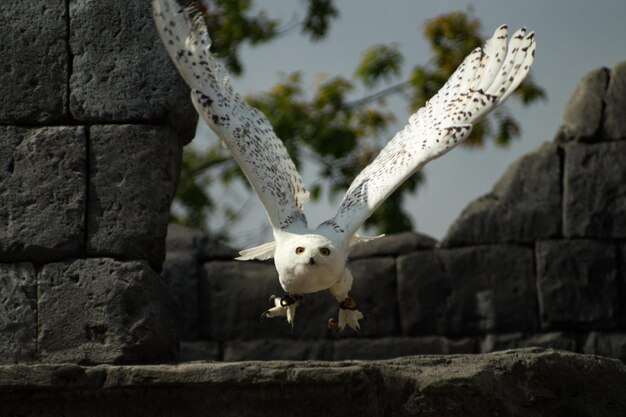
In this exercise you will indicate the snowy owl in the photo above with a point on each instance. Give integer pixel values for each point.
(308, 259)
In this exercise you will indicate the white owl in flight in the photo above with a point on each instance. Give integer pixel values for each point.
(308, 259)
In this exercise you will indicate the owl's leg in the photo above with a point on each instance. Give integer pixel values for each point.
(348, 308)
(285, 306)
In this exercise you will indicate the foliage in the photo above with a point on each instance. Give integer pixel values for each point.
(340, 135)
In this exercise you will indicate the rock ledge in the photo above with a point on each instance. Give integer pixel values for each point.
(529, 382)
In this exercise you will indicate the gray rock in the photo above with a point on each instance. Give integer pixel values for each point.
(43, 193)
(121, 71)
(582, 119)
(423, 288)
(467, 290)
(615, 103)
(612, 345)
(374, 289)
(233, 294)
(553, 340)
(34, 61)
(277, 349)
(18, 313)
(181, 272)
(133, 175)
(577, 283)
(393, 245)
(200, 350)
(394, 347)
(100, 310)
(492, 289)
(531, 383)
(524, 205)
(594, 194)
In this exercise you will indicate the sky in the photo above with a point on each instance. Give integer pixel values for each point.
(573, 38)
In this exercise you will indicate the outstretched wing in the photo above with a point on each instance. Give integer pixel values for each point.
(484, 79)
(246, 132)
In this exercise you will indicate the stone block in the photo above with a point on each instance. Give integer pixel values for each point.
(577, 284)
(423, 288)
(200, 350)
(133, 175)
(181, 272)
(492, 289)
(582, 118)
(277, 349)
(121, 71)
(393, 245)
(553, 340)
(374, 288)
(612, 345)
(43, 193)
(523, 206)
(394, 347)
(615, 103)
(18, 313)
(35, 58)
(100, 310)
(234, 294)
(594, 192)
(467, 291)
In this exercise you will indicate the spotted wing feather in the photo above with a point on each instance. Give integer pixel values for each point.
(484, 79)
(244, 130)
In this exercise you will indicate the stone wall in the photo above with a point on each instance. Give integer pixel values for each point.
(538, 261)
(92, 121)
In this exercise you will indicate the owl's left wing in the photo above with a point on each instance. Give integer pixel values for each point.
(484, 79)
(243, 129)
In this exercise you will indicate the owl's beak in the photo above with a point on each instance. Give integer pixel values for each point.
(311, 261)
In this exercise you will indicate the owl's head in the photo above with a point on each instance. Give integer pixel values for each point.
(312, 251)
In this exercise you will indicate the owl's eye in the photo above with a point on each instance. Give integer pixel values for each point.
(325, 251)
(299, 250)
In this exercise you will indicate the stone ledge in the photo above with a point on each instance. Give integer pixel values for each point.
(529, 382)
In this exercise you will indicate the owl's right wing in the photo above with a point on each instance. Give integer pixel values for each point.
(484, 79)
(243, 129)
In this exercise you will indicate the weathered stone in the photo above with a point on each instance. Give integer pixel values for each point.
(554, 340)
(18, 313)
(492, 289)
(394, 347)
(524, 205)
(133, 175)
(393, 245)
(43, 193)
(121, 71)
(531, 383)
(104, 311)
(200, 350)
(615, 103)
(277, 349)
(34, 61)
(181, 271)
(582, 119)
(374, 288)
(423, 288)
(234, 294)
(594, 193)
(467, 290)
(577, 283)
(612, 345)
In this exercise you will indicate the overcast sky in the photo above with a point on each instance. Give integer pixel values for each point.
(573, 38)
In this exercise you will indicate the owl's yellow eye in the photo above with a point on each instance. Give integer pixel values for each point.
(299, 250)
(325, 251)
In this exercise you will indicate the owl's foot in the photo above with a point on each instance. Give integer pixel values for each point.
(348, 315)
(285, 306)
